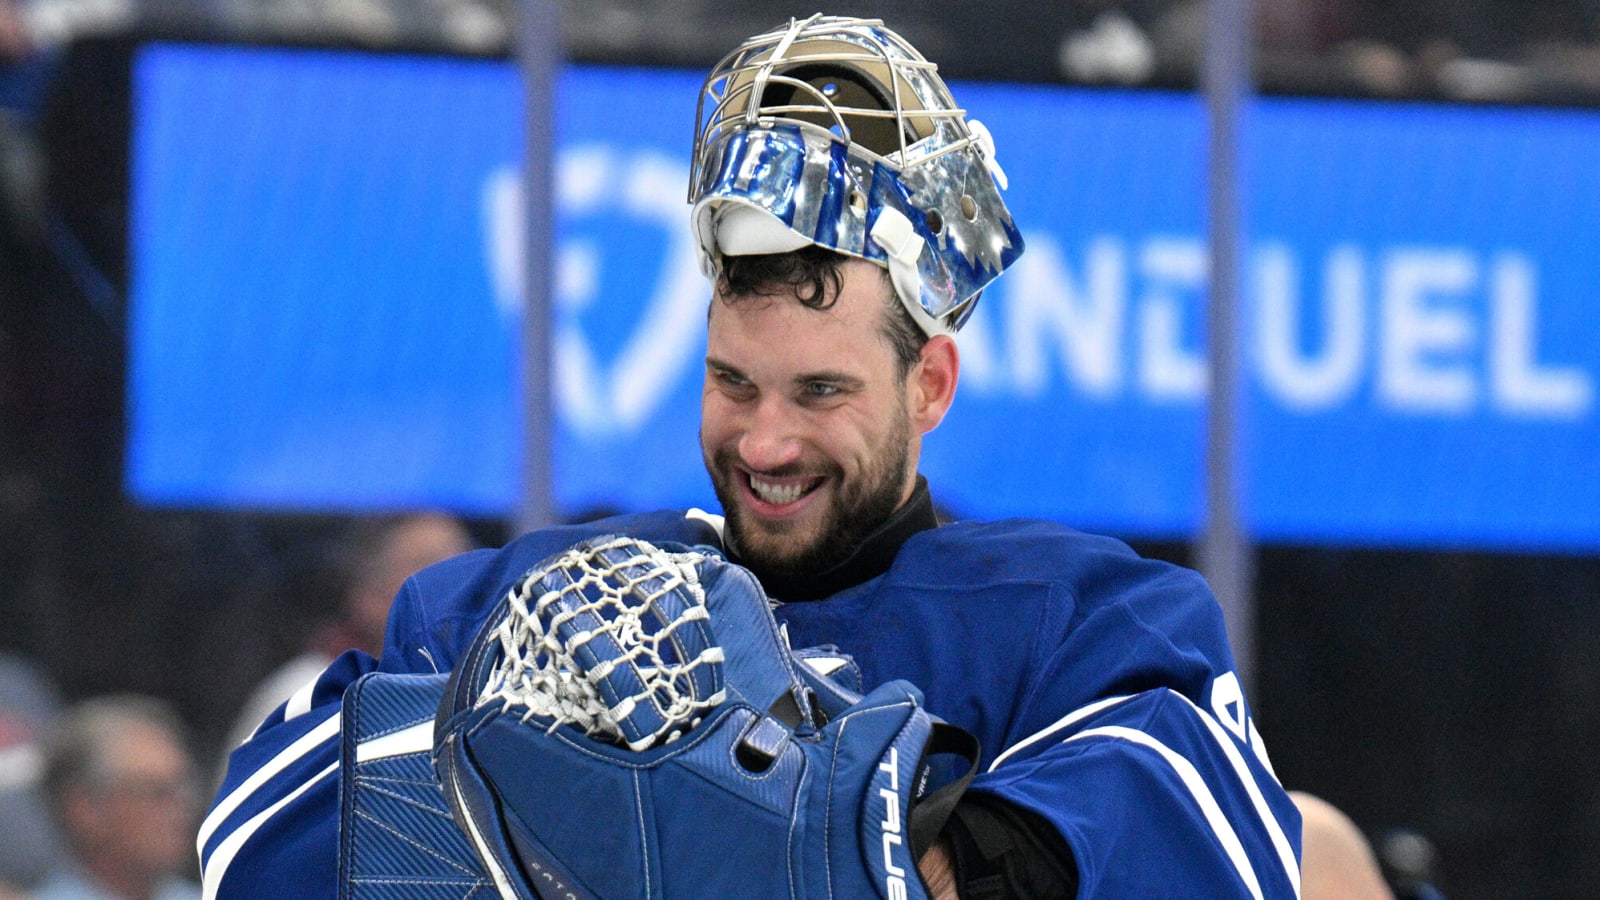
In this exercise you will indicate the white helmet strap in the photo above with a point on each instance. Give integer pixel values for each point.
(893, 232)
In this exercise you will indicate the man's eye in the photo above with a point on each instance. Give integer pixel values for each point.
(734, 385)
(821, 389)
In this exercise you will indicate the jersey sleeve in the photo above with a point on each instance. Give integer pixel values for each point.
(275, 819)
(1157, 798)
(1136, 742)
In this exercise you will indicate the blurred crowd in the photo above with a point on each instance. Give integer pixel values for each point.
(100, 799)
(1494, 50)
(103, 803)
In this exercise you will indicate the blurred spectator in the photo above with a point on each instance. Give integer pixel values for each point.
(381, 555)
(1114, 49)
(121, 784)
(29, 845)
(21, 83)
(15, 44)
(1410, 863)
(471, 26)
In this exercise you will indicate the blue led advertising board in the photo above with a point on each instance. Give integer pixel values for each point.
(327, 290)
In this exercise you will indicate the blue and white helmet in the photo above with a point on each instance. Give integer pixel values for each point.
(834, 131)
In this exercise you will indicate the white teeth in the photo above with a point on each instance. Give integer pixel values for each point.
(776, 494)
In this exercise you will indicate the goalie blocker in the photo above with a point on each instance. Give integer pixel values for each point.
(631, 722)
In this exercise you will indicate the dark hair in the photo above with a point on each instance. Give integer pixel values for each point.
(812, 274)
(78, 747)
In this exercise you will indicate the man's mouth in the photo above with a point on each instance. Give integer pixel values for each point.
(780, 493)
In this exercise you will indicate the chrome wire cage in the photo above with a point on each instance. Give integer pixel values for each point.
(835, 131)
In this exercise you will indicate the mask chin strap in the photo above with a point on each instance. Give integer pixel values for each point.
(902, 245)
(980, 133)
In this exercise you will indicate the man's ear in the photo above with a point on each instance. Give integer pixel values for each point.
(933, 382)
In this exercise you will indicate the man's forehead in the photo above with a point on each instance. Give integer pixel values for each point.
(777, 336)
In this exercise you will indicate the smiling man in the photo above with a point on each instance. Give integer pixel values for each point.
(813, 411)
(849, 215)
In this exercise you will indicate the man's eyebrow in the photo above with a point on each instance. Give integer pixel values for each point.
(844, 379)
(831, 376)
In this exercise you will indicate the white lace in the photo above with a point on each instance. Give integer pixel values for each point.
(608, 598)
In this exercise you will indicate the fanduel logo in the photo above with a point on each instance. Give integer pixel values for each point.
(658, 348)
(1421, 331)
(891, 827)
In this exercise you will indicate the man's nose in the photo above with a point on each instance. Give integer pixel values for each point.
(771, 439)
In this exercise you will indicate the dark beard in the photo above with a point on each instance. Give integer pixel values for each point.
(857, 509)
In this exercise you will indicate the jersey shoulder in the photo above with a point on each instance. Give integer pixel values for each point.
(1103, 607)
(973, 553)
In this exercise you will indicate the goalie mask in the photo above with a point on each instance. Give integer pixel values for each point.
(836, 132)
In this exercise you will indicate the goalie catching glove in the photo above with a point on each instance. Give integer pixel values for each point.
(631, 723)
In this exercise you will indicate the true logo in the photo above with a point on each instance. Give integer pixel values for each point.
(892, 827)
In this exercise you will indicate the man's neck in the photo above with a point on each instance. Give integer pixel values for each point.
(870, 559)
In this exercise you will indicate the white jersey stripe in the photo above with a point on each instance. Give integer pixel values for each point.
(217, 866)
(327, 730)
(415, 739)
(299, 703)
(712, 519)
(1066, 721)
(1202, 795)
(1280, 842)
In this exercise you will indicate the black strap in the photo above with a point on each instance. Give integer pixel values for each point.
(1004, 852)
(929, 813)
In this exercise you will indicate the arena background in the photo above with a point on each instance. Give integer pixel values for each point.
(189, 364)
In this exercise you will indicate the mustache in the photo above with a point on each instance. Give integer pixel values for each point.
(726, 460)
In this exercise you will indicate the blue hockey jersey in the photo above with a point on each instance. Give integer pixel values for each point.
(1100, 685)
